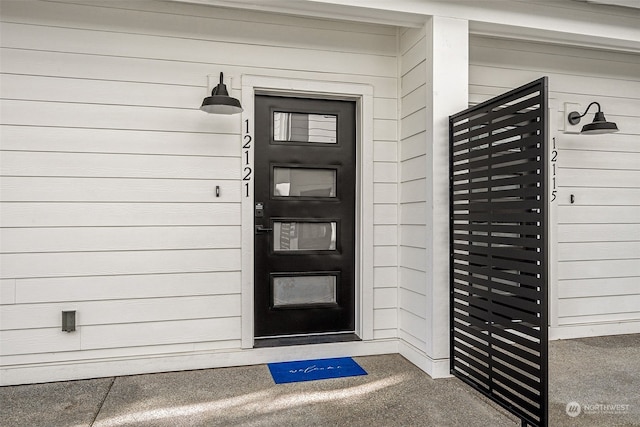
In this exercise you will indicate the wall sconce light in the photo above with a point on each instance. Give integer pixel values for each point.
(598, 126)
(220, 102)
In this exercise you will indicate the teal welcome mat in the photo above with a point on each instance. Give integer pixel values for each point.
(318, 369)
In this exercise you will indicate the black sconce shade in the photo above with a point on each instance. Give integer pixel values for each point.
(599, 125)
(220, 102)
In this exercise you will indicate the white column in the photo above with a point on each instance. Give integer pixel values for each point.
(447, 93)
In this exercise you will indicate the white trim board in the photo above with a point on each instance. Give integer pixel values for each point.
(586, 330)
(436, 368)
(363, 95)
(168, 362)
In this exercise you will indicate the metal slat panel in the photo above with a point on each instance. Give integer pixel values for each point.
(480, 367)
(523, 292)
(474, 382)
(494, 262)
(523, 192)
(501, 313)
(517, 363)
(492, 153)
(497, 182)
(519, 229)
(499, 157)
(524, 219)
(470, 149)
(482, 309)
(524, 303)
(509, 396)
(519, 389)
(527, 129)
(519, 169)
(522, 105)
(496, 345)
(498, 265)
(473, 351)
(530, 381)
(520, 279)
(499, 206)
(520, 242)
(510, 252)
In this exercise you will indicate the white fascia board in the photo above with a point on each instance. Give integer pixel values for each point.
(555, 37)
(626, 3)
(558, 21)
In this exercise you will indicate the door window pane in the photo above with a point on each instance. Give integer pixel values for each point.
(303, 290)
(299, 182)
(303, 127)
(304, 236)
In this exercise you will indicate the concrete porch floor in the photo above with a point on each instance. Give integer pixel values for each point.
(591, 371)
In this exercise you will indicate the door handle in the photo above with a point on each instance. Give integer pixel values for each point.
(260, 229)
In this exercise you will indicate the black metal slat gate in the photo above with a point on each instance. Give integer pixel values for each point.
(498, 273)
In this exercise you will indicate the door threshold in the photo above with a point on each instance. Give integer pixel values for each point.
(303, 340)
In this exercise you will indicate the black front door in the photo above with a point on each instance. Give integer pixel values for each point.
(305, 182)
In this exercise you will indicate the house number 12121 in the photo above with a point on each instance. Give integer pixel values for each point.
(247, 172)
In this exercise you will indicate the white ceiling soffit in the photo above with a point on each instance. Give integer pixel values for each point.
(569, 22)
(554, 37)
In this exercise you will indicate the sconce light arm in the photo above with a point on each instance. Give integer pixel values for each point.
(574, 117)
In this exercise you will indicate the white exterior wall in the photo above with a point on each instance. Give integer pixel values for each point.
(412, 307)
(109, 173)
(109, 170)
(595, 288)
(434, 85)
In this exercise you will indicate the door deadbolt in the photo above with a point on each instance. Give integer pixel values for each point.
(259, 210)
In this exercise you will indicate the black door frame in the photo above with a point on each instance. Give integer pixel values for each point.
(278, 325)
(362, 94)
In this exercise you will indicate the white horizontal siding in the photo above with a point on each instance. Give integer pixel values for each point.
(60, 214)
(45, 189)
(98, 165)
(34, 316)
(62, 264)
(170, 48)
(19, 360)
(94, 67)
(117, 141)
(413, 189)
(7, 291)
(121, 287)
(109, 171)
(598, 232)
(598, 235)
(609, 215)
(90, 239)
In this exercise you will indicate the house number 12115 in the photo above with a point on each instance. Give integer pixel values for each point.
(247, 172)
(554, 159)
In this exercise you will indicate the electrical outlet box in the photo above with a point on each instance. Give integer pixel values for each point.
(69, 321)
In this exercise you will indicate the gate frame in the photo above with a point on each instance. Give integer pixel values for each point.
(542, 83)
